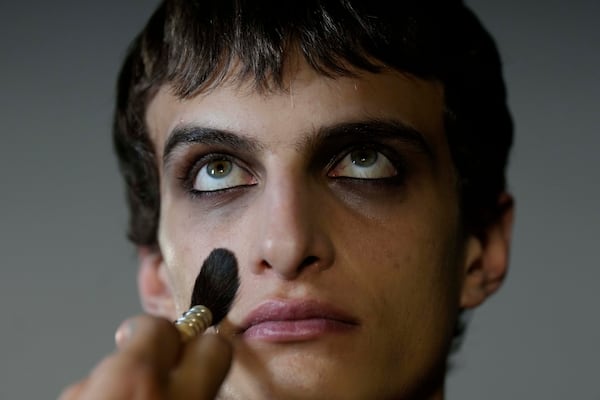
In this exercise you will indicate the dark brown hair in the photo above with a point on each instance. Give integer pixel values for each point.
(192, 45)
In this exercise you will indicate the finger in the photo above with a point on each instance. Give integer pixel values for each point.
(152, 340)
(141, 366)
(203, 367)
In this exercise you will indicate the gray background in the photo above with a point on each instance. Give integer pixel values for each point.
(68, 275)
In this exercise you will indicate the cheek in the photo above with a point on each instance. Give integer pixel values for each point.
(407, 267)
(416, 305)
(405, 260)
(186, 238)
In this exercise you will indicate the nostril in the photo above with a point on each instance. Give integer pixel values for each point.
(308, 261)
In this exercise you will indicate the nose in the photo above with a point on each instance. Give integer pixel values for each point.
(291, 236)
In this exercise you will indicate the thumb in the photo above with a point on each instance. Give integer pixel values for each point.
(202, 368)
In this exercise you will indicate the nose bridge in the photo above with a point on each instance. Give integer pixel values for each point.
(291, 237)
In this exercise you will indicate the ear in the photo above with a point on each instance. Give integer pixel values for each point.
(486, 257)
(153, 285)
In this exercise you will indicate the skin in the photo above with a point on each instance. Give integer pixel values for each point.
(389, 252)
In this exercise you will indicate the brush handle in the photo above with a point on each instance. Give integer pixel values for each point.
(194, 322)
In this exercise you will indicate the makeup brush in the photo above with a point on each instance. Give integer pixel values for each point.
(213, 294)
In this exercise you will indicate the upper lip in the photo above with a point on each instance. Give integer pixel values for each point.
(294, 309)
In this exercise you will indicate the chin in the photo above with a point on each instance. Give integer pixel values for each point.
(320, 370)
(298, 373)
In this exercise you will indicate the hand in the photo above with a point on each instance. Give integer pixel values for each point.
(151, 362)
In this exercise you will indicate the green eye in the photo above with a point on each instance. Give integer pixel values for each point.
(221, 173)
(219, 169)
(364, 157)
(364, 163)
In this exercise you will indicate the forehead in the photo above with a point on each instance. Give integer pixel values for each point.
(307, 102)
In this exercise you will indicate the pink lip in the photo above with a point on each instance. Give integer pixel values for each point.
(295, 320)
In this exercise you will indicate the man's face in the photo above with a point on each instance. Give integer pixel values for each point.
(339, 199)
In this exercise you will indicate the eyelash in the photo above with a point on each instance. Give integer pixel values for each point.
(397, 161)
(192, 168)
(194, 165)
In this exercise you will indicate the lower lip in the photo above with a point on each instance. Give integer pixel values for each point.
(296, 330)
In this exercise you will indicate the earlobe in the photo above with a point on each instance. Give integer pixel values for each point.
(486, 257)
(153, 285)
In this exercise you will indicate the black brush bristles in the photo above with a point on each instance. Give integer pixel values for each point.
(217, 284)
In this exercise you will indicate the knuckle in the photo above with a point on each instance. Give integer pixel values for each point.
(152, 327)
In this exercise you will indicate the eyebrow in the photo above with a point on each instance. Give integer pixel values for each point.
(369, 129)
(188, 135)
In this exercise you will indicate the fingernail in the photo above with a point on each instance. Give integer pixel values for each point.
(124, 333)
